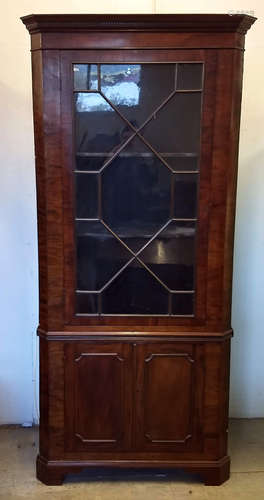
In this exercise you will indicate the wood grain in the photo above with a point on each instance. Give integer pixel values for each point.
(98, 396)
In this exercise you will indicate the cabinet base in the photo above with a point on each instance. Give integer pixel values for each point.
(213, 473)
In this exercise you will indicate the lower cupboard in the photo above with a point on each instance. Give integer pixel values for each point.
(134, 403)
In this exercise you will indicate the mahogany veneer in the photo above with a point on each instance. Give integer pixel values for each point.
(140, 390)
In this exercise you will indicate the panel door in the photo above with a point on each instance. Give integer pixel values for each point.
(98, 390)
(169, 397)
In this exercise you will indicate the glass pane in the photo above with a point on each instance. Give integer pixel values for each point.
(98, 128)
(176, 127)
(99, 255)
(139, 195)
(182, 163)
(137, 89)
(185, 196)
(87, 303)
(135, 291)
(86, 196)
(171, 255)
(189, 76)
(85, 77)
(136, 194)
(91, 162)
(182, 303)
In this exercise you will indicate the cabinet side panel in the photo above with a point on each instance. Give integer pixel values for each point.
(37, 83)
(216, 396)
(223, 187)
(225, 381)
(44, 398)
(51, 399)
(238, 59)
(46, 97)
(56, 397)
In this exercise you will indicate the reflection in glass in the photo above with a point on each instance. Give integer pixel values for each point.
(171, 255)
(91, 102)
(86, 195)
(137, 90)
(98, 127)
(189, 76)
(182, 303)
(120, 83)
(136, 194)
(99, 255)
(135, 291)
(176, 127)
(85, 77)
(185, 196)
(87, 303)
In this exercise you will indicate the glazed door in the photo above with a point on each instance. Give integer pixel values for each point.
(98, 395)
(137, 160)
(169, 403)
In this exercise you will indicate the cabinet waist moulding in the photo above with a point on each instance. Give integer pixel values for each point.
(136, 123)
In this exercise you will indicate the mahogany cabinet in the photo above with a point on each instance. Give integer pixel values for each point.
(136, 137)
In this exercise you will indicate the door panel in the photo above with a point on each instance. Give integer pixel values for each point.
(168, 397)
(97, 396)
(165, 375)
(130, 122)
(136, 200)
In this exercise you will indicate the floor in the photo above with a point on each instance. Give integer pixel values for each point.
(18, 449)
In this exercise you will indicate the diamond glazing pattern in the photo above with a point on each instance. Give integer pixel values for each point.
(137, 129)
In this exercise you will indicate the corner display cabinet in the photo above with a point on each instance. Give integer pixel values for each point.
(136, 137)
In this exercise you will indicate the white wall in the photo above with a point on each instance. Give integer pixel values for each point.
(18, 254)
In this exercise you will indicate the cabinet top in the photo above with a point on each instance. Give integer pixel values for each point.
(198, 23)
